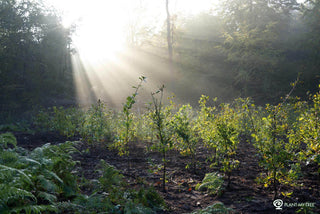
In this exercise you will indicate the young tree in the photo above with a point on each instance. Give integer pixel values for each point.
(160, 117)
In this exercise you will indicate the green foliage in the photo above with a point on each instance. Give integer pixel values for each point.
(142, 127)
(35, 61)
(227, 137)
(16, 127)
(306, 130)
(161, 123)
(43, 181)
(211, 182)
(247, 113)
(220, 132)
(59, 163)
(7, 138)
(42, 120)
(277, 155)
(305, 210)
(111, 181)
(183, 125)
(125, 131)
(216, 208)
(34, 182)
(66, 121)
(205, 122)
(96, 125)
(112, 195)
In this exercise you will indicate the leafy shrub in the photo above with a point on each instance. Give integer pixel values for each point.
(112, 195)
(227, 138)
(278, 155)
(96, 125)
(220, 132)
(211, 182)
(66, 121)
(15, 127)
(247, 113)
(7, 138)
(142, 127)
(307, 131)
(183, 124)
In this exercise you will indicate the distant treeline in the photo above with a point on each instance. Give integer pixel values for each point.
(251, 49)
(34, 56)
(241, 48)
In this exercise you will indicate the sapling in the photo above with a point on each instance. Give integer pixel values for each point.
(226, 132)
(125, 132)
(307, 131)
(204, 122)
(160, 122)
(219, 131)
(183, 124)
(277, 154)
(96, 124)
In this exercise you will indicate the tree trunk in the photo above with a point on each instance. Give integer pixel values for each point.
(169, 33)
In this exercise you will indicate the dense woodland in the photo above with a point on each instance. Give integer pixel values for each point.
(255, 143)
(35, 56)
(241, 48)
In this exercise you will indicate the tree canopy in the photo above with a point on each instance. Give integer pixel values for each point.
(247, 48)
(34, 55)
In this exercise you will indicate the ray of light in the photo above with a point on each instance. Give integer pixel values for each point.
(103, 68)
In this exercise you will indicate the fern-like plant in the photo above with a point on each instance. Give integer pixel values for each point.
(211, 182)
(35, 182)
(7, 138)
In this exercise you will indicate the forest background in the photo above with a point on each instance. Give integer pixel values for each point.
(239, 48)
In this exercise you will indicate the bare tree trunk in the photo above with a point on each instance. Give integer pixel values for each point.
(169, 38)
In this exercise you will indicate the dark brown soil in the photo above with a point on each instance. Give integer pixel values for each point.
(244, 195)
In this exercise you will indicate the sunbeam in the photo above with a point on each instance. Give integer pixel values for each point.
(104, 67)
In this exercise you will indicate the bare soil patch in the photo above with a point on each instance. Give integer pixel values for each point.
(244, 195)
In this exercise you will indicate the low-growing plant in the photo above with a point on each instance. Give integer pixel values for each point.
(212, 182)
(112, 195)
(22, 126)
(183, 125)
(60, 162)
(96, 125)
(34, 182)
(6, 139)
(66, 121)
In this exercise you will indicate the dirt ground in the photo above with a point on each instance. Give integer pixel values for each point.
(244, 195)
